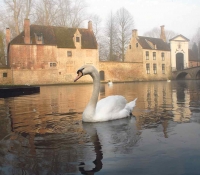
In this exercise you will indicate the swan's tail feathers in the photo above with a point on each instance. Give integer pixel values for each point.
(131, 105)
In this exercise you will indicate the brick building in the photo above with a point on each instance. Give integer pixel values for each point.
(50, 54)
(153, 53)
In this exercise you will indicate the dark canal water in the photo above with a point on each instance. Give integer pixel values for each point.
(42, 134)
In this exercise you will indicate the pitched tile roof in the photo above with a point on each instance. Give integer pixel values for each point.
(62, 37)
(153, 43)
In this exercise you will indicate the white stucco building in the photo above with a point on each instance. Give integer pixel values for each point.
(179, 52)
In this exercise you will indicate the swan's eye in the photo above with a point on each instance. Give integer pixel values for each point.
(80, 71)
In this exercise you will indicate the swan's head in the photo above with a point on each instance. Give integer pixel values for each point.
(84, 70)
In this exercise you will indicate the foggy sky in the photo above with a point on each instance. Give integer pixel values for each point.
(180, 16)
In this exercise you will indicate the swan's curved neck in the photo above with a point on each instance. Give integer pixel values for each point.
(89, 111)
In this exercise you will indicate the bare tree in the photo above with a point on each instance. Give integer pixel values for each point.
(14, 14)
(15, 7)
(111, 35)
(125, 25)
(196, 37)
(29, 6)
(195, 50)
(103, 46)
(96, 22)
(77, 13)
(46, 12)
(155, 33)
(63, 13)
(2, 48)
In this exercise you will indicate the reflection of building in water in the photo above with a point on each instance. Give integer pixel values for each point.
(5, 125)
(157, 95)
(38, 138)
(150, 95)
(181, 97)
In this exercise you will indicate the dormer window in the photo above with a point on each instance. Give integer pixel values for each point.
(39, 38)
(77, 39)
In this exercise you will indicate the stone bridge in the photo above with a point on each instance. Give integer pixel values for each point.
(189, 73)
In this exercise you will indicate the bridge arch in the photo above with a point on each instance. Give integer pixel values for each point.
(183, 75)
(198, 74)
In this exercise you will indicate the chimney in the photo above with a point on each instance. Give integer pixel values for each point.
(134, 33)
(7, 37)
(90, 26)
(27, 37)
(162, 34)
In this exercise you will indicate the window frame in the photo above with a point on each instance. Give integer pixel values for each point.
(163, 56)
(5, 74)
(163, 68)
(154, 55)
(52, 64)
(154, 68)
(147, 55)
(39, 37)
(78, 39)
(148, 68)
(69, 53)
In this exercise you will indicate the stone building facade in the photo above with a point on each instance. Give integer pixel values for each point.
(179, 52)
(153, 53)
(50, 54)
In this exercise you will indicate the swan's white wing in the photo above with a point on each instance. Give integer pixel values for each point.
(110, 108)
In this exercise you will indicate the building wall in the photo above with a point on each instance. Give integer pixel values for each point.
(31, 56)
(5, 76)
(41, 64)
(121, 71)
(194, 63)
(134, 51)
(159, 75)
(68, 66)
(179, 45)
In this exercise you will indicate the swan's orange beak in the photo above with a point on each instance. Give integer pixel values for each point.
(79, 75)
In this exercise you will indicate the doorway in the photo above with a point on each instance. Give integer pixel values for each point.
(101, 75)
(179, 61)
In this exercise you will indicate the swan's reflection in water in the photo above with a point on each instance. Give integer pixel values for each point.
(99, 156)
(108, 138)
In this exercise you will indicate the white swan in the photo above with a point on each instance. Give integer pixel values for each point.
(110, 83)
(109, 108)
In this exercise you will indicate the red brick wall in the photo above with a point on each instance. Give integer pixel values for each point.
(31, 56)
